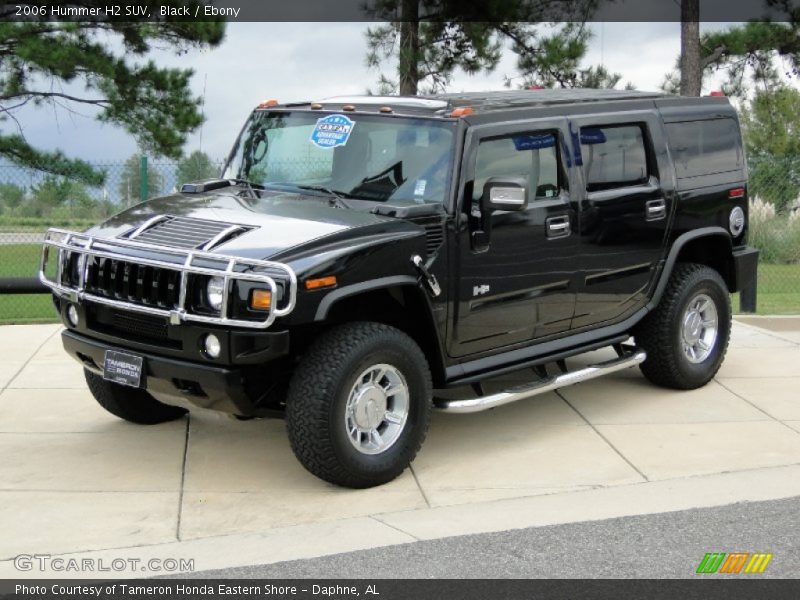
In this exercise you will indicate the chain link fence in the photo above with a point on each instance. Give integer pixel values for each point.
(31, 201)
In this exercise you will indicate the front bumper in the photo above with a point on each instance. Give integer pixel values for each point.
(745, 267)
(180, 382)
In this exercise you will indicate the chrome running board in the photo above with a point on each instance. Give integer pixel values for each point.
(528, 390)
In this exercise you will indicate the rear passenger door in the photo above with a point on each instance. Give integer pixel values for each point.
(626, 206)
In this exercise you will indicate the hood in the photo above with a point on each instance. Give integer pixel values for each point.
(283, 225)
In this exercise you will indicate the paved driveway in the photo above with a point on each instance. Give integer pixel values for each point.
(75, 480)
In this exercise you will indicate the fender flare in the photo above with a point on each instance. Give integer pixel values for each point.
(675, 250)
(334, 296)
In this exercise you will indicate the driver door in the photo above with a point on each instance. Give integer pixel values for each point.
(516, 268)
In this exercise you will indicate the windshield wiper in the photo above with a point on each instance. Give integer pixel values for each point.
(337, 196)
(248, 186)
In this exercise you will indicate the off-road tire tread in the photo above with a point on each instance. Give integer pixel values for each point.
(655, 335)
(314, 380)
(131, 404)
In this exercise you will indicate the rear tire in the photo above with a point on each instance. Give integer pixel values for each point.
(131, 404)
(359, 404)
(687, 334)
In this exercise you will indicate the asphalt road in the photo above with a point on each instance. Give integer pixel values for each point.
(666, 545)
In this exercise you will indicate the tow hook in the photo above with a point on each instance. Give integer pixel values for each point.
(429, 277)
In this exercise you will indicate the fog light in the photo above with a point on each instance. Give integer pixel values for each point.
(72, 316)
(212, 346)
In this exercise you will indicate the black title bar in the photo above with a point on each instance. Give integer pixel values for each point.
(389, 10)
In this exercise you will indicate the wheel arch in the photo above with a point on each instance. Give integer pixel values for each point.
(396, 301)
(710, 246)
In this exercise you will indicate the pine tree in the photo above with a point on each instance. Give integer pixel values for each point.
(40, 60)
(749, 54)
(430, 39)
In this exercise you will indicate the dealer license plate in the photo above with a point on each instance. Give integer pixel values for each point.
(122, 368)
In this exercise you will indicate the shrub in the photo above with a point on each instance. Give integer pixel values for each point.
(777, 236)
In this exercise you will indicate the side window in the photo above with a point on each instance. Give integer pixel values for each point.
(705, 147)
(613, 156)
(532, 156)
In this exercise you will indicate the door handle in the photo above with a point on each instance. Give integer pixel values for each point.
(655, 210)
(558, 226)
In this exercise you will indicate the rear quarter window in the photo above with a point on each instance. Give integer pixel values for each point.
(705, 147)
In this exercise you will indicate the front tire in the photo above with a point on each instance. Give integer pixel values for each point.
(359, 405)
(131, 404)
(687, 334)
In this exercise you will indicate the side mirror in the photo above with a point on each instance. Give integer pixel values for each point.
(505, 193)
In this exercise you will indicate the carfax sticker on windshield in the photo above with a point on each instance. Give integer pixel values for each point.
(332, 131)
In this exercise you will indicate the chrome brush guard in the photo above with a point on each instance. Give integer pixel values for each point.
(185, 264)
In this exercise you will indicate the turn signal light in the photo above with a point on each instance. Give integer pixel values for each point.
(260, 299)
(321, 282)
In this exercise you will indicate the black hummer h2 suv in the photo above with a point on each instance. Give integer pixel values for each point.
(358, 255)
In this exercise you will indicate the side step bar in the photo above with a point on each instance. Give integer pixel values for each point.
(528, 390)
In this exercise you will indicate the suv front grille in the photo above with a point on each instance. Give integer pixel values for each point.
(145, 326)
(130, 282)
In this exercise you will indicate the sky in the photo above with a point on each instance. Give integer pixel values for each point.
(259, 61)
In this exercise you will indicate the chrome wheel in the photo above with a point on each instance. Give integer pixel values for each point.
(377, 409)
(699, 328)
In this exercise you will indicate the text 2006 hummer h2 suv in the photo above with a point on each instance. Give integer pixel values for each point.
(361, 255)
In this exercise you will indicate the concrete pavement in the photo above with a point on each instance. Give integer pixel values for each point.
(78, 482)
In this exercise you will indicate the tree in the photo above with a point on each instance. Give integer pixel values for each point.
(690, 65)
(430, 39)
(53, 192)
(771, 125)
(748, 53)
(11, 195)
(195, 167)
(101, 65)
(553, 59)
(130, 182)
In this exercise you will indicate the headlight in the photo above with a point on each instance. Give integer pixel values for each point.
(215, 290)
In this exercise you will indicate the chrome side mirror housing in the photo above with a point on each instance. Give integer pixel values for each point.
(505, 193)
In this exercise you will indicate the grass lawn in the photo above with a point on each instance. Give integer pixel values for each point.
(778, 288)
(20, 260)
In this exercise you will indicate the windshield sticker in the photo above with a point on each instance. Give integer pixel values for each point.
(419, 187)
(332, 131)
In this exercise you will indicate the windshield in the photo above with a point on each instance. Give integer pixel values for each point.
(380, 159)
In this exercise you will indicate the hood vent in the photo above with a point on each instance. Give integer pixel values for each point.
(182, 232)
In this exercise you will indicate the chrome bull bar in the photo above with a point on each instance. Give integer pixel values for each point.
(87, 247)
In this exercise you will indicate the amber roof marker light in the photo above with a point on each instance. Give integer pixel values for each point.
(462, 111)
